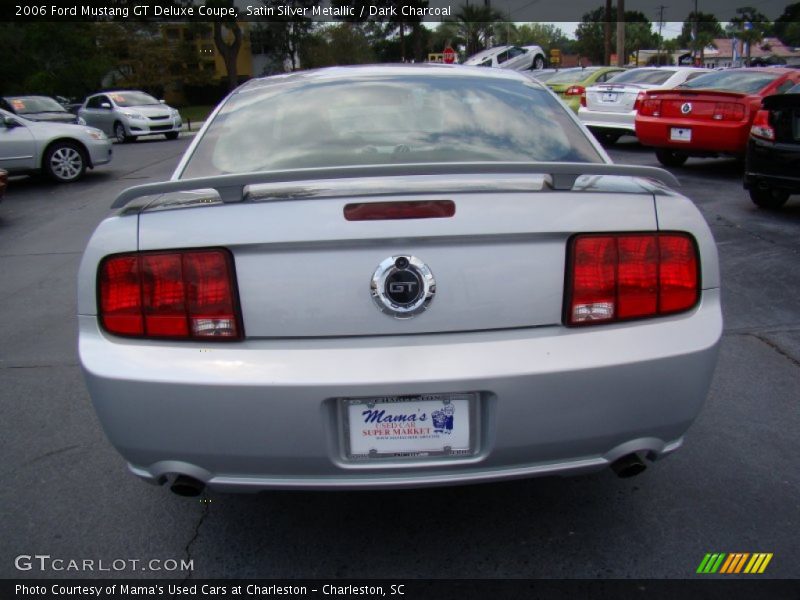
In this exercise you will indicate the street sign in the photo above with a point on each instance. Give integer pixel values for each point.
(449, 55)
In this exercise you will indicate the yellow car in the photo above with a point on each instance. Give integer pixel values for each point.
(570, 85)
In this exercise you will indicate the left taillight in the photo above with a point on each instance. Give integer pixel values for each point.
(183, 294)
(617, 277)
(637, 104)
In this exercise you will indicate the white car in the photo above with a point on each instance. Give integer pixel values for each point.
(126, 115)
(516, 58)
(611, 107)
(62, 151)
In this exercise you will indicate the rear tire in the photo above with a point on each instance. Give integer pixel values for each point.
(172, 135)
(768, 198)
(538, 62)
(64, 162)
(606, 138)
(671, 158)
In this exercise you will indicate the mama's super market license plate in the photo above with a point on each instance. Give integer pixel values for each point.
(680, 134)
(410, 426)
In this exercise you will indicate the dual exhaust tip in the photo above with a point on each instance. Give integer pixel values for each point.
(629, 465)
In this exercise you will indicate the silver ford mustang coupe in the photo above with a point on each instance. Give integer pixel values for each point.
(397, 276)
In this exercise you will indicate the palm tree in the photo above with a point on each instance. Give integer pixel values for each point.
(476, 26)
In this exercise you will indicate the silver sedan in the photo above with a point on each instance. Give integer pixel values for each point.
(383, 277)
(126, 115)
(61, 151)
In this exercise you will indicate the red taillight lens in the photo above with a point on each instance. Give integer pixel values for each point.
(575, 90)
(650, 107)
(388, 211)
(639, 99)
(728, 111)
(188, 294)
(762, 128)
(617, 277)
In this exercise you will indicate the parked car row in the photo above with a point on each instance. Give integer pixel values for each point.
(682, 112)
(37, 134)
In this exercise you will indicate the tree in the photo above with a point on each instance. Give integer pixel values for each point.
(336, 44)
(589, 33)
(750, 26)
(545, 35)
(228, 40)
(706, 23)
(476, 26)
(289, 33)
(787, 26)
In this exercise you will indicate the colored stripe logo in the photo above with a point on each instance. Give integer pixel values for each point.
(734, 562)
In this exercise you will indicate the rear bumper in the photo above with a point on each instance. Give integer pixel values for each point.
(263, 413)
(617, 121)
(774, 165)
(708, 137)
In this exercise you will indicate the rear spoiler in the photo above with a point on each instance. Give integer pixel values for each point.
(231, 188)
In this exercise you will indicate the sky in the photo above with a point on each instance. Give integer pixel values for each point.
(671, 29)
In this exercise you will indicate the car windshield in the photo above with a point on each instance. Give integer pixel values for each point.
(287, 125)
(133, 99)
(732, 81)
(647, 76)
(28, 105)
(571, 76)
(794, 90)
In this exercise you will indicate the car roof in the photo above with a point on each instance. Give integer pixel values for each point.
(382, 71)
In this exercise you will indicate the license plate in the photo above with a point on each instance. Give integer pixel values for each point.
(609, 96)
(410, 426)
(680, 134)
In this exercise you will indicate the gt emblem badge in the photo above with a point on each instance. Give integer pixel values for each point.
(402, 286)
(686, 108)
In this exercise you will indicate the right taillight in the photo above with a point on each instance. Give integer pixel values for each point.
(762, 128)
(616, 277)
(185, 294)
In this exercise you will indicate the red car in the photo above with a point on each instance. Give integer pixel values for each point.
(710, 115)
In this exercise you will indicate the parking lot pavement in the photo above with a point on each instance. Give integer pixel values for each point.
(733, 487)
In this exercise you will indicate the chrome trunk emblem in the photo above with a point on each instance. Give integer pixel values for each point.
(686, 108)
(402, 286)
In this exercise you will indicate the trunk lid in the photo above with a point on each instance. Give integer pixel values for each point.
(609, 97)
(303, 270)
(703, 105)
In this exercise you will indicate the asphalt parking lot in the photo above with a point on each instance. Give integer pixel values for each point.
(734, 487)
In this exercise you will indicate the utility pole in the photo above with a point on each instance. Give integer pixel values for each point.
(607, 34)
(660, 25)
(695, 31)
(621, 58)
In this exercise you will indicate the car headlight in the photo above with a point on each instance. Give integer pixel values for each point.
(95, 134)
(134, 116)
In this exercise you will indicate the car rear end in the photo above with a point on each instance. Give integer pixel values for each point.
(611, 107)
(570, 86)
(708, 116)
(258, 330)
(773, 150)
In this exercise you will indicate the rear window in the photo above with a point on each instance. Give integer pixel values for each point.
(648, 76)
(281, 124)
(571, 76)
(747, 82)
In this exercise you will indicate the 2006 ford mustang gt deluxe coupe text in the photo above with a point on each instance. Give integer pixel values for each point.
(394, 277)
